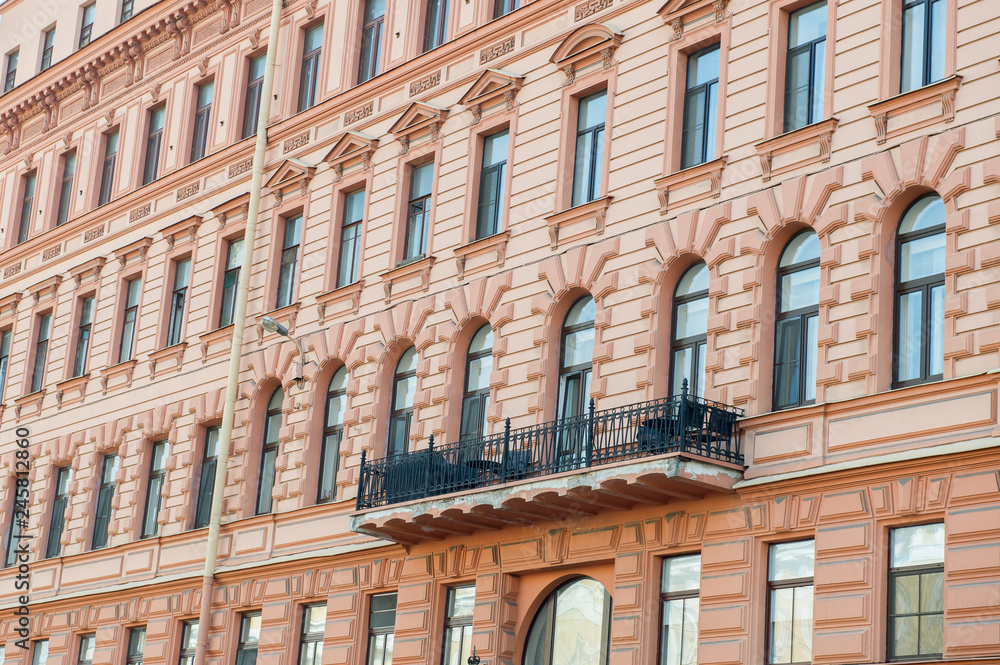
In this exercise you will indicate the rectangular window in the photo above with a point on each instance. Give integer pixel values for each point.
(436, 25)
(790, 602)
(458, 625)
(701, 107)
(136, 645)
(805, 66)
(246, 651)
(418, 212)
(289, 261)
(916, 592)
(371, 40)
(157, 473)
(108, 168)
(127, 8)
(504, 7)
(105, 494)
(189, 643)
(230, 278)
(83, 336)
(40, 656)
(66, 187)
(679, 610)
(311, 642)
(27, 206)
(154, 141)
(178, 302)
(10, 73)
(492, 184)
(251, 106)
(41, 352)
(350, 238)
(58, 519)
(206, 487)
(18, 523)
(86, 656)
(48, 43)
(3, 653)
(381, 628)
(312, 48)
(4, 358)
(589, 148)
(130, 315)
(87, 24)
(923, 43)
(202, 120)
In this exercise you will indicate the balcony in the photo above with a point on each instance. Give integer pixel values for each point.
(681, 447)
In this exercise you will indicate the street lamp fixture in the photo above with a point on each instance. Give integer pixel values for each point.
(270, 325)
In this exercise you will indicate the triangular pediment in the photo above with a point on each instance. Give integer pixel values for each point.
(688, 9)
(491, 84)
(416, 117)
(349, 146)
(584, 42)
(290, 172)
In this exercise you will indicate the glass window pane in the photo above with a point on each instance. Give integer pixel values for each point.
(583, 311)
(787, 362)
(693, 135)
(495, 148)
(926, 213)
(807, 24)
(932, 592)
(681, 573)
(918, 545)
(680, 632)
(694, 280)
(912, 76)
(812, 337)
(819, 82)
(703, 67)
(579, 624)
(405, 390)
(937, 46)
(800, 289)
(682, 369)
(581, 169)
(692, 319)
(935, 364)
(932, 634)
(797, 79)
(802, 624)
(711, 120)
(315, 619)
(789, 561)
(593, 111)
(922, 257)
(904, 642)
(461, 601)
(422, 179)
(910, 343)
(781, 625)
(479, 374)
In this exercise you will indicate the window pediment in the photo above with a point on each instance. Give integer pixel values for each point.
(235, 209)
(418, 118)
(138, 250)
(350, 149)
(492, 87)
(690, 10)
(292, 172)
(183, 231)
(585, 45)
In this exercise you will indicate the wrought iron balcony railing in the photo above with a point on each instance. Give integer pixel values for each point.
(683, 423)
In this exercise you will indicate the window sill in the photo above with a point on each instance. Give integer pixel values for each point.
(174, 354)
(118, 376)
(479, 251)
(900, 109)
(286, 316)
(216, 343)
(341, 300)
(799, 147)
(71, 391)
(595, 211)
(693, 184)
(29, 406)
(402, 280)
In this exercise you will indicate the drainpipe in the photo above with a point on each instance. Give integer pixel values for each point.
(239, 326)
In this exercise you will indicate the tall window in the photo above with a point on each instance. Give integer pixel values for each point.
(679, 610)
(202, 120)
(66, 187)
(154, 489)
(108, 168)
(40, 656)
(127, 7)
(418, 211)
(805, 66)
(83, 333)
(27, 207)
(105, 494)
(3, 653)
(269, 452)
(404, 386)
(251, 106)
(579, 614)
(576, 358)
(189, 643)
(178, 301)
(381, 628)
(790, 602)
(701, 104)
(234, 258)
(57, 521)
(476, 397)
(4, 358)
(154, 140)
(41, 352)
(312, 46)
(136, 645)
(246, 650)
(589, 159)
(436, 24)
(350, 238)
(920, 251)
(10, 73)
(797, 323)
(18, 525)
(289, 261)
(458, 625)
(492, 184)
(130, 315)
(333, 433)
(690, 331)
(916, 592)
(86, 655)
(206, 488)
(923, 43)
(311, 640)
(504, 7)
(371, 40)
(48, 44)
(87, 24)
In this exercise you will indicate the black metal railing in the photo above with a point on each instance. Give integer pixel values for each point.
(683, 423)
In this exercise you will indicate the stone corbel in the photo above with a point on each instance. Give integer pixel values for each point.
(231, 9)
(765, 168)
(50, 110)
(366, 160)
(948, 105)
(570, 73)
(338, 172)
(435, 129)
(719, 6)
(10, 126)
(404, 145)
(607, 61)
(715, 180)
(311, 9)
(477, 114)
(881, 128)
(90, 79)
(177, 27)
(510, 100)
(678, 28)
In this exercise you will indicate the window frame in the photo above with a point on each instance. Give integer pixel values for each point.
(88, 638)
(224, 277)
(804, 314)
(10, 70)
(186, 654)
(289, 258)
(341, 239)
(435, 34)
(891, 50)
(132, 658)
(147, 530)
(126, 11)
(596, 186)
(269, 447)
(153, 146)
(502, 189)
(39, 355)
(105, 193)
(425, 215)
(310, 638)
(28, 194)
(178, 300)
(478, 400)
(690, 90)
(47, 48)
(374, 633)
(201, 127)
(460, 622)
(83, 333)
(6, 340)
(503, 7)
(332, 438)
(406, 414)
(310, 67)
(774, 585)
(10, 554)
(57, 518)
(206, 478)
(105, 496)
(252, 91)
(124, 322)
(666, 596)
(86, 29)
(548, 606)
(693, 341)
(64, 202)
(927, 41)
(892, 575)
(243, 645)
(378, 26)
(40, 646)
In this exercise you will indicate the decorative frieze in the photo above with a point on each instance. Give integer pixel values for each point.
(590, 8)
(239, 168)
(94, 233)
(424, 84)
(296, 142)
(12, 270)
(359, 113)
(189, 191)
(140, 212)
(497, 50)
(51, 252)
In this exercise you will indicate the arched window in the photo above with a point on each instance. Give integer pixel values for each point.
(920, 248)
(576, 358)
(333, 432)
(269, 451)
(571, 627)
(476, 398)
(690, 331)
(404, 385)
(797, 325)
